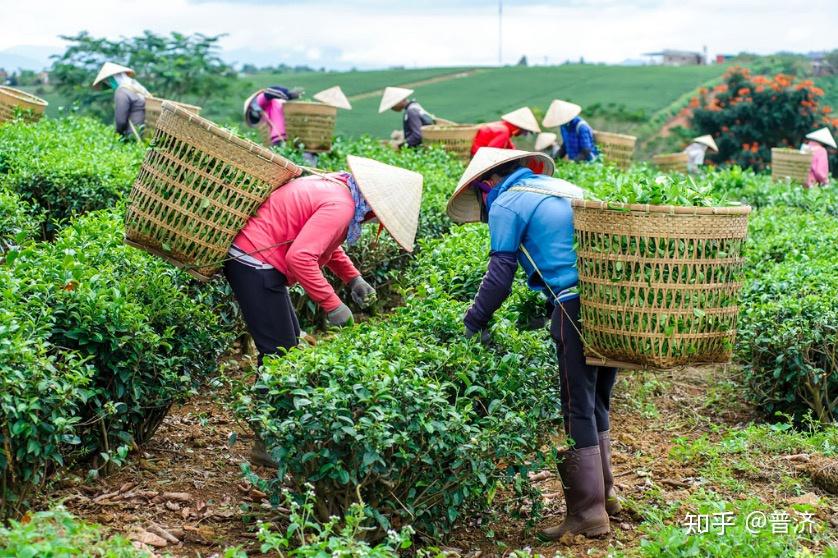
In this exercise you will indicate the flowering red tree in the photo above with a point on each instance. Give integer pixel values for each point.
(748, 115)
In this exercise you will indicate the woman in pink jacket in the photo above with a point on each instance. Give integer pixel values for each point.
(300, 229)
(817, 143)
(268, 106)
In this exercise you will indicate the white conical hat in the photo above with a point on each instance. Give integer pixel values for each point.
(393, 96)
(560, 112)
(109, 69)
(545, 140)
(395, 195)
(708, 141)
(822, 136)
(523, 118)
(333, 96)
(463, 206)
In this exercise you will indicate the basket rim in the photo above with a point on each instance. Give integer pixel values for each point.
(665, 209)
(615, 134)
(23, 95)
(179, 103)
(227, 135)
(440, 127)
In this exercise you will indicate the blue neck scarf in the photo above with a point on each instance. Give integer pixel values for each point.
(361, 210)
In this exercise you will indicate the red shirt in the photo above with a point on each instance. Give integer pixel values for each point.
(314, 214)
(494, 134)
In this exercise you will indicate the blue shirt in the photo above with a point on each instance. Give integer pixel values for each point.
(578, 135)
(543, 224)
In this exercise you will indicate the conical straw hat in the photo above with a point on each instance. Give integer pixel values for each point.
(334, 97)
(560, 112)
(395, 195)
(463, 206)
(393, 96)
(545, 140)
(109, 69)
(708, 141)
(822, 136)
(523, 118)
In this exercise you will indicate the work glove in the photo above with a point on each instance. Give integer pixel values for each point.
(362, 293)
(485, 336)
(340, 316)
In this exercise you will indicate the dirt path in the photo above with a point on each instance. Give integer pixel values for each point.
(188, 479)
(414, 84)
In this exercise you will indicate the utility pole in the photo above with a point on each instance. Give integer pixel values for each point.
(500, 32)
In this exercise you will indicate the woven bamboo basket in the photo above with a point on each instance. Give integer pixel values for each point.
(671, 162)
(312, 124)
(790, 163)
(197, 187)
(153, 108)
(616, 148)
(658, 284)
(455, 138)
(11, 99)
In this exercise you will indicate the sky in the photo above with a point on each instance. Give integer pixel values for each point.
(417, 33)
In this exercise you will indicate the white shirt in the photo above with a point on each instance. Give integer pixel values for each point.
(695, 156)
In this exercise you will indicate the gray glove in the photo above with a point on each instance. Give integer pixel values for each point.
(485, 336)
(362, 293)
(340, 316)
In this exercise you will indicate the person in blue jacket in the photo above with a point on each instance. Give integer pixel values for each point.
(530, 221)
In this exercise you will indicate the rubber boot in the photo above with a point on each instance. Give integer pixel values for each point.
(259, 455)
(584, 495)
(612, 502)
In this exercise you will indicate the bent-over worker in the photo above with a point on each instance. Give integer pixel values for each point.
(398, 99)
(530, 220)
(499, 134)
(129, 98)
(267, 106)
(578, 143)
(697, 149)
(816, 143)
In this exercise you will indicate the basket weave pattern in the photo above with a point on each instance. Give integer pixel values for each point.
(616, 148)
(312, 124)
(153, 108)
(671, 162)
(197, 187)
(456, 139)
(12, 100)
(659, 284)
(790, 163)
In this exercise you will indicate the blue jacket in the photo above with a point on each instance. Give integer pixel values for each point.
(543, 224)
(576, 136)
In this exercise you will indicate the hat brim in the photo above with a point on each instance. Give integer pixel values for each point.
(560, 113)
(385, 106)
(394, 193)
(463, 206)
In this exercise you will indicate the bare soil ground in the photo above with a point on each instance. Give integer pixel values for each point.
(186, 484)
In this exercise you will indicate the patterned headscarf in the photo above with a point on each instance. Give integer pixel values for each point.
(361, 210)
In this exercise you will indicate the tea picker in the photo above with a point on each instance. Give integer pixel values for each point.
(697, 149)
(578, 143)
(266, 108)
(129, 98)
(499, 134)
(547, 142)
(530, 222)
(414, 116)
(816, 143)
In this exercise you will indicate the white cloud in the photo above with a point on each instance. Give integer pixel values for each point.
(435, 32)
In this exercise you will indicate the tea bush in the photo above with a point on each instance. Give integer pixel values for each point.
(121, 332)
(66, 166)
(423, 423)
(19, 222)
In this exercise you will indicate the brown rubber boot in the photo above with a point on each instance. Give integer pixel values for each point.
(259, 455)
(612, 502)
(584, 495)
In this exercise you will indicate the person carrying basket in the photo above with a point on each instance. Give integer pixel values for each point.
(530, 222)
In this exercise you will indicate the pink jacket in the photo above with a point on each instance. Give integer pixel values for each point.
(819, 171)
(313, 213)
(275, 115)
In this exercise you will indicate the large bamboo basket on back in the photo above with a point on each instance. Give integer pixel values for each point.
(790, 163)
(153, 108)
(658, 284)
(456, 138)
(312, 124)
(671, 162)
(12, 100)
(616, 148)
(197, 187)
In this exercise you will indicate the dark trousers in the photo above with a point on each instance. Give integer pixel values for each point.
(585, 390)
(266, 306)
